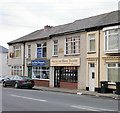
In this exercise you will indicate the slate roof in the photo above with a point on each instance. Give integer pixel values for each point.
(102, 20)
(3, 49)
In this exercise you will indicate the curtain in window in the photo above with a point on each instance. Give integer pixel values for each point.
(114, 74)
(92, 45)
(113, 42)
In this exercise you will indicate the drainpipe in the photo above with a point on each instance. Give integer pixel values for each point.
(99, 59)
(24, 59)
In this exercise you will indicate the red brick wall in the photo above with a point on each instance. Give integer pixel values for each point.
(41, 83)
(68, 85)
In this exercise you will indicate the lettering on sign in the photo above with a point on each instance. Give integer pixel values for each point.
(65, 62)
(40, 63)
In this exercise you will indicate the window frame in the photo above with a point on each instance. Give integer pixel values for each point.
(89, 39)
(74, 45)
(69, 74)
(17, 49)
(106, 30)
(28, 51)
(16, 70)
(54, 48)
(42, 49)
(40, 70)
(115, 67)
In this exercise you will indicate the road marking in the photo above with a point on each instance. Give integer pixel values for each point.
(91, 108)
(41, 100)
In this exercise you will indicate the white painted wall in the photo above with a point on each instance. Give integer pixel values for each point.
(0, 64)
(4, 69)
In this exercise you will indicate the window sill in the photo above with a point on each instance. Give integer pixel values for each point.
(91, 52)
(112, 51)
(40, 58)
(15, 58)
(111, 83)
(40, 79)
(72, 54)
(54, 55)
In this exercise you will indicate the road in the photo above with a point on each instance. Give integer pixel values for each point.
(37, 100)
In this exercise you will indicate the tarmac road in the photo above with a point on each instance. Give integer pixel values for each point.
(37, 100)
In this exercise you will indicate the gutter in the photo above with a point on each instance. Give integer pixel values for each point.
(24, 59)
(99, 59)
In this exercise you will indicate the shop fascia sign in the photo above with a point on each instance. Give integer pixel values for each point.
(40, 62)
(65, 62)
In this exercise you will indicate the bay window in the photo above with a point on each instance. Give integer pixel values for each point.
(113, 72)
(111, 40)
(72, 45)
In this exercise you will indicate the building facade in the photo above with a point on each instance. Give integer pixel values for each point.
(103, 57)
(4, 69)
(78, 55)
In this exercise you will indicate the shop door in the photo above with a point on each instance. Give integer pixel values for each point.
(30, 72)
(92, 77)
(57, 73)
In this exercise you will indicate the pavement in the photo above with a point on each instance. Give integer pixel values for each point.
(77, 91)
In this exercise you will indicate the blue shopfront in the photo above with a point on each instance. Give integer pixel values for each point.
(41, 72)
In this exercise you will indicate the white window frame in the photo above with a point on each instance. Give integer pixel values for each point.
(106, 35)
(107, 67)
(40, 70)
(15, 49)
(16, 68)
(54, 48)
(89, 39)
(28, 51)
(42, 49)
(76, 53)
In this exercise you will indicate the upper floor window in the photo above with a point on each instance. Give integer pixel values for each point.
(72, 45)
(91, 42)
(17, 51)
(55, 47)
(42, 50)
(111, 40)
(29, 51)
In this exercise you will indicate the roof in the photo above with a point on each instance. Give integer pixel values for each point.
(3, 49)
(98, 21)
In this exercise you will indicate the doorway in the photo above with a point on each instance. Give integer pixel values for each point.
(30, 71)
(57, 73)
(92, 77)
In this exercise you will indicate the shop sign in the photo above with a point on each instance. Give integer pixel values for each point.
(65, 62)
(40, 63)
(28, 62)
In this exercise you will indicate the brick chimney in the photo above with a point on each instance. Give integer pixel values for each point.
(47, 26)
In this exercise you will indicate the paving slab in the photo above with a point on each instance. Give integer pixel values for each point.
(79, 92)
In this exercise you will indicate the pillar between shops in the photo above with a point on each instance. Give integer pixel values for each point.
(51, 77)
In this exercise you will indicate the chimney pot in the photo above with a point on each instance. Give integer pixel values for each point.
(47, 26)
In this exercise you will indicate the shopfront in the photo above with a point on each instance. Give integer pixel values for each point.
(41, 72)
(66, 72)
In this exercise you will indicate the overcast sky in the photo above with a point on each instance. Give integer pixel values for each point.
(21, 17)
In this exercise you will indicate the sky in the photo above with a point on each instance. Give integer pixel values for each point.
(21, 17)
